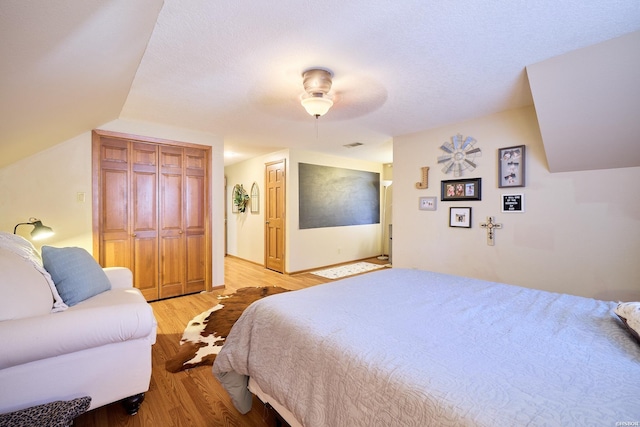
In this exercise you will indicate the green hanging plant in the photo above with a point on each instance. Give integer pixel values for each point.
(240, 198)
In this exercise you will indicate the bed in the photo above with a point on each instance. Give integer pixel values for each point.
(408, 347)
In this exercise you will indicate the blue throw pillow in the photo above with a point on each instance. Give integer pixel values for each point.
(75, 273)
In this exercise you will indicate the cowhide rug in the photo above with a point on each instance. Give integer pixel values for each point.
(205, 334)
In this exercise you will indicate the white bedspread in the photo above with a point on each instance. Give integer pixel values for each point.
(414, 348)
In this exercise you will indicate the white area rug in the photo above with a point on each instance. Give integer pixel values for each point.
(347, 270)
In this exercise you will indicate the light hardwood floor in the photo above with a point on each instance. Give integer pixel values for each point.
(194, 397)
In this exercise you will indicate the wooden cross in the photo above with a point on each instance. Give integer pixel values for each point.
(490, 225)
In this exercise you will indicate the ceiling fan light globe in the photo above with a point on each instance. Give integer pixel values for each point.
(317, 105)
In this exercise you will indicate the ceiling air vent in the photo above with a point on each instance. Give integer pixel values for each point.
(353, 145)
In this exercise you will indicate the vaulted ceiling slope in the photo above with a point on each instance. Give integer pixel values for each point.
(588, 105)
(233, 68)
(66, 67)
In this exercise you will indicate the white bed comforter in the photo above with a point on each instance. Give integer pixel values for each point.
(415, 348)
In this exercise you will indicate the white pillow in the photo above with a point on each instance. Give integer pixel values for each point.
(24, 292)
(629, 312)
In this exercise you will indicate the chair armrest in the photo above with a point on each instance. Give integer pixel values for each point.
(120, 277)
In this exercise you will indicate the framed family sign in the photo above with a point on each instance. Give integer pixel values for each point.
(511, 166)
(513, 203)
(461, 189)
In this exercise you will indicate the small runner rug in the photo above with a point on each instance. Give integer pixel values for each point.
(347, 270)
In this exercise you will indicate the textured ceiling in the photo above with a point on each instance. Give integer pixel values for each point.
(233, 68)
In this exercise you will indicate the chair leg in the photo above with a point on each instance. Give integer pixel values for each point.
(131, 404)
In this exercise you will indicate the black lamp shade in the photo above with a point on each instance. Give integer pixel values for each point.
(39, 231)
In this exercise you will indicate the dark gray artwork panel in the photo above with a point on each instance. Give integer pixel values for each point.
(334, 197)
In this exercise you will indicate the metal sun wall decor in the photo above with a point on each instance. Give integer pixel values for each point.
(459, 155)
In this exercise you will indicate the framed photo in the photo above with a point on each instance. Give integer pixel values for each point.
(511, 162)
(460, 217)
(427, 203)
(461, 189)
(513, 203)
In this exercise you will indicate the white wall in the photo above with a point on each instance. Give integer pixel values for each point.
(46, 184)
(305, 249)
(580, 233)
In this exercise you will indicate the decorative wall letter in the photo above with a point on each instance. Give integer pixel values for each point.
(425, 179)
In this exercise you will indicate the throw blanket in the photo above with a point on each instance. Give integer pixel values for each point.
(205, 334)
(23, 248)
(53, 414)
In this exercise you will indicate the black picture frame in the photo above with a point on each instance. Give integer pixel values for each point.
(511, 166)
(461, 189)
(513, 203)
(460, 217)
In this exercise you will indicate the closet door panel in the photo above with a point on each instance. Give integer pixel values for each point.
(196, 201)
(145, 260)
(196, 198)
(115, 201)
(115, 241)
(151, 203)
(144, 218)
(171, 190)
(172, 267)
(172, 250)
(171, 210)
(195, 211)
(195, 234)
(196, 267)
(115, 253)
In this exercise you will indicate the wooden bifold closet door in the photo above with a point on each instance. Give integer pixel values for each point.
(150, 208)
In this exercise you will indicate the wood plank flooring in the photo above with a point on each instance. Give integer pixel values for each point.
(194, 397)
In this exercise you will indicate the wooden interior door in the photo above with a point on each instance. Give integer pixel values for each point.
(114, 240)
(127, 196)
(151, 212)
(195, 217)
(275, 215)
(144, 218)
(171, 222)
